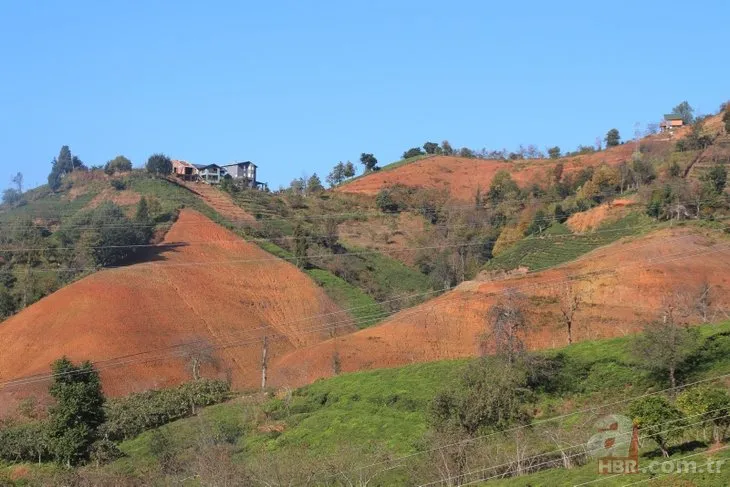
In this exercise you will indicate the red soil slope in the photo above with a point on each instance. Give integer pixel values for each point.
(199, 290)
(462, 177)
(633, 278)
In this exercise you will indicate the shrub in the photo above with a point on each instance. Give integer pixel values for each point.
(118, 184)
(159, 164)
(413, 152)
(385, 201)
(109, 234)
(128, 417)
(658, 419)
(118, 164)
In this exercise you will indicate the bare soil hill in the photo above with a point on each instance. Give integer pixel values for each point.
(461, 177)
(604, 213)
(212, 288)
(623, 285)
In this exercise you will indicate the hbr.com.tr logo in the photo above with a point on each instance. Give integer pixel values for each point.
(616, 445)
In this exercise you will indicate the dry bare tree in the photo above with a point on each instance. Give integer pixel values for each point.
(667, 342)
(570, 300)
(507, 324)
(703, 301)
(197, 353)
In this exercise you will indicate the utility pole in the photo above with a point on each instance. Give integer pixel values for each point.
(263, 362)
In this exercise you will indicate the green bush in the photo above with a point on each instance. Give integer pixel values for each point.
(118, 184)
(130, 416)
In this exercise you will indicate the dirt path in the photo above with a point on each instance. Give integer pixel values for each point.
(219, 201)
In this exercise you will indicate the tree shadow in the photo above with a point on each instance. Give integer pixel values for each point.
(154, 253)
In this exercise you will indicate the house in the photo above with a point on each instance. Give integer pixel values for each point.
(671, 122)
(244, 173)
(209, 173)
(184, 170)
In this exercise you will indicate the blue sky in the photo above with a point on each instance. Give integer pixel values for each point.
(298, 86)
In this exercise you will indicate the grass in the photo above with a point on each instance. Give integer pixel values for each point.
(383, 406)
(557, 245)
(362, 306)
(51, 206)
(389, 407)
(383, 276)
(172, 197)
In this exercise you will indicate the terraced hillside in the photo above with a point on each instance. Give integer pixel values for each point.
(622, 286)
(462, 177)
(205, 294)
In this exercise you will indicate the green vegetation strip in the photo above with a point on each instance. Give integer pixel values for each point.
(557, 245)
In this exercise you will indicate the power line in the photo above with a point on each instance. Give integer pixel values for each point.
(679, 428)
(420, 309)
(316, 256)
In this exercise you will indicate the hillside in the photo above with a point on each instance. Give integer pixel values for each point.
(612, 279)
(208, 286)
(462, 177)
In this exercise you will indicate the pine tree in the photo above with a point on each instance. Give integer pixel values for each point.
(314, 184)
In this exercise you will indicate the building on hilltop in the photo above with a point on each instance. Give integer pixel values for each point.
(243, 173)
(210, 173)
(184, 170)
(671, 122)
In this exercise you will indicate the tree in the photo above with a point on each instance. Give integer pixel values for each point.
(65, 160)
(337, 175)
(331, 232)
(726, 119)
(8, 304)
(349, 170)
(18, 182)
(369, 161)
(685, 111)
(412, 152)
(197, 353)
(658, 419)
(554, 152)
(314, 184)
(466, 153)
(431, 148)
(717, 178)
(446, 148)
(301, 246)
(491, 395)
(612, 138)
(61, 166)
(11, 197)
(507, 323)
(159, 164)
(118, 164)
(674, 170)
(386, 202)
(707, 403)
(142, 215)
(570, 300)
(502, 187)
(539, 223)
(77, 412)
(666, 344)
